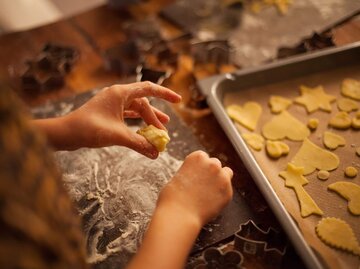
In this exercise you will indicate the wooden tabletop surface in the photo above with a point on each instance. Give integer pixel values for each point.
(99, 29)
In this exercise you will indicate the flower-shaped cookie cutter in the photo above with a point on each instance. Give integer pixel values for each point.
(213, 258)
(269, 245)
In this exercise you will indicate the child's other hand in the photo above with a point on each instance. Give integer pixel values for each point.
(200, 189)
(100, 121)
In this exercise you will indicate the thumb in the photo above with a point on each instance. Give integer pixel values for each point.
(140, 144)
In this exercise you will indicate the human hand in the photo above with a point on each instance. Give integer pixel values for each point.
(200, 189)
(100, 121)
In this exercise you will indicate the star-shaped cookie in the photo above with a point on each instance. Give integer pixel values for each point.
(315, 98)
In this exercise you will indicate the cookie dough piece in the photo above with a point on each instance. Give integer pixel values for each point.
(323, 175)
(351, 192)
(157, 137)
(247, 115)
(294, 179)
(312, 157)
(333, 141)
(351, 88)
(355, 123)
(278, 128)
(313, 124)
(337, 233)
(341, 120)
(276, 149)
(358, 151)
(255, 141)
(347, 105)
(350, 172)
(278, 103)
(314, 99)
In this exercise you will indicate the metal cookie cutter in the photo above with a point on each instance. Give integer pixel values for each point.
(270, 245)
(213, 258)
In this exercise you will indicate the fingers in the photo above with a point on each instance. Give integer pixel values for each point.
(145, 110)
(162, 117)
(228, 172)
(146, 88)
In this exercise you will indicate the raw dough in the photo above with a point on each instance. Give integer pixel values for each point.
(157, 137)
(337, 233)
(247, 116)
(347, 105)
(358, 151)
(323, 175)
(312, 157)
(313, 124)
(350, 172)
(333, 141)
(294, 179)
(278, 128)
(341, 120)
(355, 123)
(255, 141)
(314, 99)
(351, 88)
(276, 149)
(351, 192)
(278, 103)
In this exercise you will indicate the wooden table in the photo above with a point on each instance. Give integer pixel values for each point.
(99, 29)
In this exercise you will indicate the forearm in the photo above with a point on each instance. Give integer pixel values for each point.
(57, 131)
(168, 240)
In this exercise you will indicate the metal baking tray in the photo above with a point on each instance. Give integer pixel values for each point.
(215, 88)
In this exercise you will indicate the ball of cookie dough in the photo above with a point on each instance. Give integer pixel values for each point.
(157, 137)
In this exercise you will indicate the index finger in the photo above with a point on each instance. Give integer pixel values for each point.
(147, 88)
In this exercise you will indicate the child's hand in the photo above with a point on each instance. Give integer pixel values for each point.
(200, 189)
(100, 121)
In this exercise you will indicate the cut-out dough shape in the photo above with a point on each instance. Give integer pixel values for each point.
(312, 157)
(278, 103)
(337, 233)
(351, 88)
(333, 141)
(247, 115)
(314, 99)
(279, 128)
(313, 124)
(341, 120)
(355, 123)
(351, 192)
(350, 172)
(255, 141)
(358, 151)
(347, 105)
(157, 137)
(323, 175)
(294, 179)
(276, 149)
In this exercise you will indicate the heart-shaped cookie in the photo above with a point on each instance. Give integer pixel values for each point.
(351, 88)
(351, 192)
(312, 157)
(255, 141)
(247, 115)
(347, 105)
(355, 123)
(279, 103)
(333, 141)
(276, 149)
(283, 126)
(341, 120)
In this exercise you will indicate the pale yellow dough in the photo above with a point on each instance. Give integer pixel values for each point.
(276, 149)
(255, 141)
(294, 179)
(350, 172)
(313, 123)
(347, 105)
(312, 157)
(157, 137)
(278, 104)
(351, 192)
(337, 233)
(314, 99)
(278, 128)
(351, 88)
(333, 141)
(247, 115)
(358, 151)
(341, 120)
(323, 175)
(355, 123)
